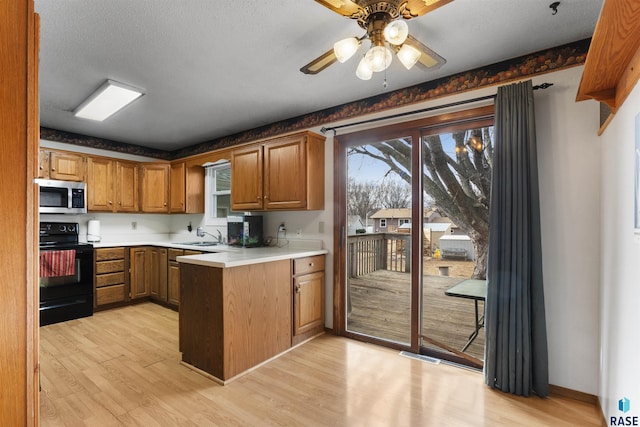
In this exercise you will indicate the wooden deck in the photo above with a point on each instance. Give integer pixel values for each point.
(380, 306)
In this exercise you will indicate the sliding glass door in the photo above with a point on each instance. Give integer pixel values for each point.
(378, 261)
(412, 246)
(457, 185)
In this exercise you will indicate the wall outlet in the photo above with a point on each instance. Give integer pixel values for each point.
(281, 228)
(299, 233)
(134, 225)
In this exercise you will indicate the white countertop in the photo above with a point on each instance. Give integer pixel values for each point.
(248, 256)
(222, 256)
(164, 244)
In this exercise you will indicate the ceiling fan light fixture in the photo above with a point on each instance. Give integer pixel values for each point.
(346, 48)
(378, 58)
(408, 55)
(363, 71)
(396, 32)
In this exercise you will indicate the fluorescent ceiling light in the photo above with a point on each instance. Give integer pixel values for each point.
(108, 99)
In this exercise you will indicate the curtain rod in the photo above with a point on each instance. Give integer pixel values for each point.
(324, 130)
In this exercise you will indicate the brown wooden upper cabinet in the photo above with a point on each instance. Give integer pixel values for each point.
(154, 189)
(187, 188)
(112, 185)
(61, 165)
(284, 173)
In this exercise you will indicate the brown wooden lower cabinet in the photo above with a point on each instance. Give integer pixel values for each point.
(232, 319)
(110, 276)
(157, 273)
(139, 284)
(308, 297)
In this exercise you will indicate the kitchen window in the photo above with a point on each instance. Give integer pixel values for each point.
(218, 193)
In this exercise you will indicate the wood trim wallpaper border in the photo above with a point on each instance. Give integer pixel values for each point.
(545, 61)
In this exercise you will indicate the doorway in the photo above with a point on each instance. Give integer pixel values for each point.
(412, 238)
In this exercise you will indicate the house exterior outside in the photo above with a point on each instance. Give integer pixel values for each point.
(391, 220)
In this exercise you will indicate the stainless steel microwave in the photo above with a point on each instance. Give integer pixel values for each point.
(62, 197)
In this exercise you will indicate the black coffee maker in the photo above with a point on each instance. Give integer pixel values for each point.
(245, 231)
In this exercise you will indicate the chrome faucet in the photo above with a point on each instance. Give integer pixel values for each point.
(201, 233)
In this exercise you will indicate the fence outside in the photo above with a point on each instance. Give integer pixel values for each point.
(378, 251)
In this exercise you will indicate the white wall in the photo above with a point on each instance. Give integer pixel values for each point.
(620, 260)
(569, 176)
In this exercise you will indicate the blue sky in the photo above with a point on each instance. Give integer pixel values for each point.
(364, 168)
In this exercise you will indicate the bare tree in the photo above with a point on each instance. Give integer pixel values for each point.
(459, 185)
(362, 198)
(393, 194)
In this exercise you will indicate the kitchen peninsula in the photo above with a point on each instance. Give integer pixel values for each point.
(239, 309)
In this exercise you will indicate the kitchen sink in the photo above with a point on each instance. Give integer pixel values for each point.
(198, 243)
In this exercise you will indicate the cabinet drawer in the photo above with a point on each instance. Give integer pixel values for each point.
(308, 264)
(109, 279)
(103, 254)
(192, 252)
(173, 253)
(109, 266)
(110, 294)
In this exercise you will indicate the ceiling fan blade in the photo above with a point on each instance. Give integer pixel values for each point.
(429, 58)
(420, 7)
(342, 7)
(320, 63)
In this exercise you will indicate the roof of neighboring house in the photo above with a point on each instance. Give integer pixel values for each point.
(392, 213)
(455, 237)
(437, 226)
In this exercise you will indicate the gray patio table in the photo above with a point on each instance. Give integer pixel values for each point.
(475, 290)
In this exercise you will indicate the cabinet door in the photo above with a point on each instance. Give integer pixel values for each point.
(285, 176)
(173, 286)
(246, 179)
(194, 189)
(308, 302)
(178, 186)
(139, 273)
(100, 184)
(43, 164)
(66, 166)
(158, 273)
(127, 187)
(155, 188)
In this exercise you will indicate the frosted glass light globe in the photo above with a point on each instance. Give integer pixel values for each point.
(363, 71)
(396, 32)
(408, 55)
(345, 48)
(378, 58)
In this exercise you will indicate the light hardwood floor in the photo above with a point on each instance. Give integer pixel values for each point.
(121, 367)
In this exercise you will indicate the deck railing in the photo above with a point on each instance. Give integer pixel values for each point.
(378, 251)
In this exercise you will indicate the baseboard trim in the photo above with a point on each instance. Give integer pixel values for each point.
(580, 396)
(556, 390)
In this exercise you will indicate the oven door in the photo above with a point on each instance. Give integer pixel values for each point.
(78, 283)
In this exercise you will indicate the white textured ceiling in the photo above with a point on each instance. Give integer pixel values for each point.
(211, 68)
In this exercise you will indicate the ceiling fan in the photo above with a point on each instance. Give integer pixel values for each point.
(387, 33)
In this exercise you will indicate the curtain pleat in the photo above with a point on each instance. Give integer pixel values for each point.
(516, 358)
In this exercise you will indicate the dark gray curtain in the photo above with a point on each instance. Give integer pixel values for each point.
(515, 327)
